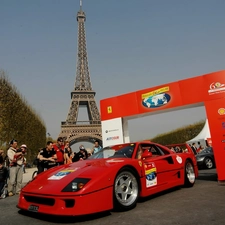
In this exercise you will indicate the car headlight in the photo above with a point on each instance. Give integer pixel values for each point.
(76, 185)
(199, 158)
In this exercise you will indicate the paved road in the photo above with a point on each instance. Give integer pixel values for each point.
(203, 204)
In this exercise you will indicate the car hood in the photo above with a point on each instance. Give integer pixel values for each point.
(200, 155)
(101, 173)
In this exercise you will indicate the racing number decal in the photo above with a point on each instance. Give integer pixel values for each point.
(150, 174)
(179, 159)
(61, 174)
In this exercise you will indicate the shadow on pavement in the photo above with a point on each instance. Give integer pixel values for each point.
(62, 219)
(144, 199)
(208, 175)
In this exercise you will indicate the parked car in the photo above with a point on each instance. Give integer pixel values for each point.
(113, 178)
(205, 158)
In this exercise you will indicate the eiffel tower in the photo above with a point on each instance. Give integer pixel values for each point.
(73, 130)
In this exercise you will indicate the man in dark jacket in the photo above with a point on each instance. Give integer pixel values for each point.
(194, 148)
(81, 155)
(3, 175)
(1, 155)
(47, 157)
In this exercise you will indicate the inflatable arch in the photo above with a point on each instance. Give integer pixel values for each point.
(206, 90)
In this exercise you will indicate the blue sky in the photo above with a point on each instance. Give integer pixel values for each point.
(132, 45)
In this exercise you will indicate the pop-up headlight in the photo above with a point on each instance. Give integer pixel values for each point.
(76, 185)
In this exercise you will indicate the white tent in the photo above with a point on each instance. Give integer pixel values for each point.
(202, 136)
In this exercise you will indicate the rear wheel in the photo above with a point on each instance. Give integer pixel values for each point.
(189, 174)
(126, 190)
(208, 163)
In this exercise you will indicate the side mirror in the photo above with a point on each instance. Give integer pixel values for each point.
(146, 154)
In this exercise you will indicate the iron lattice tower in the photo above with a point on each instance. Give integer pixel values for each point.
(73, 130)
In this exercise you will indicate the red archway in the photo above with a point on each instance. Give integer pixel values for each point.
(206, 90)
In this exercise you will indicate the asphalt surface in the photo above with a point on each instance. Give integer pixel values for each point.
(202, 204)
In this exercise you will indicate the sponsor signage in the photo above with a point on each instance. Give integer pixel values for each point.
(216, 88)
(112, 132)
(216, 112)
(206, 90)
(221, 111)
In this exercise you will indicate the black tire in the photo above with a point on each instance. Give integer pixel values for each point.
(34, 174)
(189, 174)
(126, 190)
(208, 163)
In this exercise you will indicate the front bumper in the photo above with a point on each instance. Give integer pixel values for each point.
(67, 205)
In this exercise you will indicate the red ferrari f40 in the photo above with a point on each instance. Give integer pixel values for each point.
(114, 178)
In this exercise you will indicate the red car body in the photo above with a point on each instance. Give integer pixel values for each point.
(108, 180)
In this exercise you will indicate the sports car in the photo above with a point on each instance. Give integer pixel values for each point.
(114, 178)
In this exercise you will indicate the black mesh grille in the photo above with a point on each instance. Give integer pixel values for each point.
(39, 200)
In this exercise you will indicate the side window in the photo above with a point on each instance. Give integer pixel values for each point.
(139, 152)
(163, 151)
(141, 149)
(155, 150)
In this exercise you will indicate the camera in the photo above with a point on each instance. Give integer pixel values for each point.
(21, 150)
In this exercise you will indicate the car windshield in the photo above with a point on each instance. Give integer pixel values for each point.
(115, 151)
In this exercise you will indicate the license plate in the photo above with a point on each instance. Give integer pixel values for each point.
(33, 208)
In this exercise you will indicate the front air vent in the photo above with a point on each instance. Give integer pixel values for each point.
(69, 203)
(40, 200)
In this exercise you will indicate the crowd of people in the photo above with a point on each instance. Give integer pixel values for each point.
(61, 153)
(194, 147)
(12, 166)
(197, 149)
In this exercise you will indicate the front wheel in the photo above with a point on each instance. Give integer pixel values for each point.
(126, 190)
(189, 174)
(34, 174)
(208, 163)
